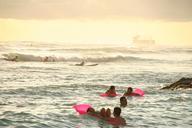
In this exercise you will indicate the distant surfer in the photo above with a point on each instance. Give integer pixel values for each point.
(81, 64)
(46, 59)
(13, 59)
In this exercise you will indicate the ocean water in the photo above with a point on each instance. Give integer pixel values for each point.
(36, 94)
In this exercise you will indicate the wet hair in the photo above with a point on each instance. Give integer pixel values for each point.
(117, 111)
(90, 109)
(108, 113)
(130, 89)
(123, 101)
(123, 98)
(112, 87)
(102, 112)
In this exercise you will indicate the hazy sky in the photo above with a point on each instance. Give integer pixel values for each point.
(166, 21)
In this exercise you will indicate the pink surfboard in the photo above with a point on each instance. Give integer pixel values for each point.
(81, 108)
(139, 92)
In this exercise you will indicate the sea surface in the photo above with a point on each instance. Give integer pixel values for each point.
(37, 94)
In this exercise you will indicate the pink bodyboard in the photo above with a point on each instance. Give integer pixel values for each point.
(107, 95)
(81, 108)
(139, 92)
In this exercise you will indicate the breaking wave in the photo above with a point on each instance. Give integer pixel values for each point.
(37, 58)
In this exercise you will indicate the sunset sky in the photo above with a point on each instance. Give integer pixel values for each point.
(96, 21)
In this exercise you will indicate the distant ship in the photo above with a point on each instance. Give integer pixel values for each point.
(139, 42)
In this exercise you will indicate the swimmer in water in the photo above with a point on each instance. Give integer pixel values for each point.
(108, 113)
(81, 64)
(128, 92)
(101, 114)
(117, 119)
(91, 111)
(105, 114)
(14, 59)
(123, 101)
(46, 59)
(111, 92)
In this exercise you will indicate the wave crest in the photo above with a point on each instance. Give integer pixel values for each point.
(36, 58)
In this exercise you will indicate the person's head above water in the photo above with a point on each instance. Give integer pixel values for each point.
(123, 101)
(108, 113)
(82, 63)
(117, 120)
(90, 110)
(129, 90)
(46, 59)
(112, 88)
(102, 112)
(117, 112)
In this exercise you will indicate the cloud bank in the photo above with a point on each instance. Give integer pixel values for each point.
(172, 10)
